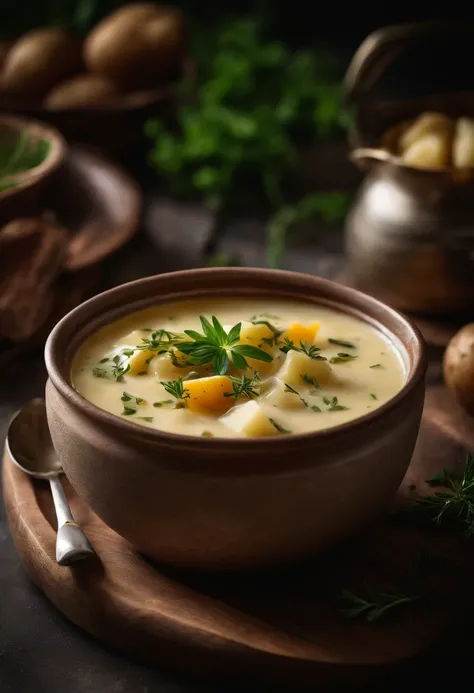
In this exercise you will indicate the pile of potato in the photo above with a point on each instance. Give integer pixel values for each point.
(138, 47)
(435, 141)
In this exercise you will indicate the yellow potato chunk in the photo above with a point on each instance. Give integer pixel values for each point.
(249, 420)
(297, 364)
(254, 334)
(277, 397)
(432, 151)
(208, 394)
(463, 144)
(138, 362)
(297, 333)
(425, 124)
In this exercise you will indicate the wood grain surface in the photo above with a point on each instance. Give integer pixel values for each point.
(281, 626)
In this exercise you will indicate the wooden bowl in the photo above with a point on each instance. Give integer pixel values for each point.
(232, 504)
(24, 198)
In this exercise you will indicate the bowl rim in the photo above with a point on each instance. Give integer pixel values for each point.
(54, 158)
(354, 300)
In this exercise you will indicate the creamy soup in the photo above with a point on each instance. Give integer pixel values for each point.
(258, 368)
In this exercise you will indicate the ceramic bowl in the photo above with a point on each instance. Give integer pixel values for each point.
(25, 196)
(225, 504)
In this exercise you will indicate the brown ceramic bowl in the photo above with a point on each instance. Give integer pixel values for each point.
(213, 503)
(25, 196)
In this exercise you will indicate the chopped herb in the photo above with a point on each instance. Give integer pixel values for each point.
(310, 379)
(290, 389)
(145, 418)
(175, 361)
(316, 409)
(100, 373)
(333, 404)
(271, 327)
(278, 427)
(244, 387)
(342, 358)
(114, 371)
(146, 329)
(341, 342)
(264, 315)
(128, 352)
(131, 403)
(371, 606)
(373, 395)
(309, 350)
(160, 341)
(162, 403)
(376, 365)
(207, 434)
(270, 341)
(216, 346)
(176, 388)
(105, 359)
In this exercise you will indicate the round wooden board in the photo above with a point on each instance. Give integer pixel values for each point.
(281, 626)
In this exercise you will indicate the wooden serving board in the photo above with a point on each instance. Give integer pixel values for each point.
(278, 626)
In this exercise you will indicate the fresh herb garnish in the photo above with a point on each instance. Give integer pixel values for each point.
(128, 352)
(162, 403)
(207, 434)
(244, 387)
(310, 379)
(333, 404)
(376, 365)
(290, 389)
(160, 341)
(271, 327)
(279, 427)
(269, 316)
(131, 403)
(216, 346)
(309, 350)
(341, 342)
(342, 357)
(114, 371)
(371, 605)
(373, 395)
(316, 409)
(105, 359)
(454, 506)
(176, 388)
(145, 418)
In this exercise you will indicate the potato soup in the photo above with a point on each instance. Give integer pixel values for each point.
(238, 368)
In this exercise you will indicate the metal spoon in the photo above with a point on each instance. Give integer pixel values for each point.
(30, 446)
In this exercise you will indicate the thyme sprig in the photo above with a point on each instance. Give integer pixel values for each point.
(371, 605)
(342, 343)
(115, 369)
(310, 350)
(244, 387)
(176, 388)
(292, 391)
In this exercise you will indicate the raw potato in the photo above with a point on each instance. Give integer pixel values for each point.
(425, 124)
(297, 364)
(432, 151)
(463, 145)
(39, 60)
(249, 420)
(458, 367)
(83, 91)
(139, 45)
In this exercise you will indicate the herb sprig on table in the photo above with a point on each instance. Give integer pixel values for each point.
(371, 605)
(255, 102)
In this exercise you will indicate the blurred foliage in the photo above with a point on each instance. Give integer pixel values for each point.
(20, 156)
(256, 102)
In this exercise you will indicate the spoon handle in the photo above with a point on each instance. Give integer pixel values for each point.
(71, 542)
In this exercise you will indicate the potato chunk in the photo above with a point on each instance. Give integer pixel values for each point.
(297, 364)
(463, 145)
(432, 151)
(249, 420)
(138, 362)
(208, 394)
(297, 333)
(278, 396)
(254, 334)
(425, 124)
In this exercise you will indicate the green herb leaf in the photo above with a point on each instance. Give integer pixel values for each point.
(342, 358)
(176, 388)
(207, 434)
(244, 387)
(163, 403)
(288, 388)
(371, 605)
(316, 409)
(376, 365)
(279, 427)
(342, 342)
(310, 350)
(310, 379)
(374, 396)
(145, 418)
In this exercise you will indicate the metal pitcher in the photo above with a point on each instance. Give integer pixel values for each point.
(410, 233)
